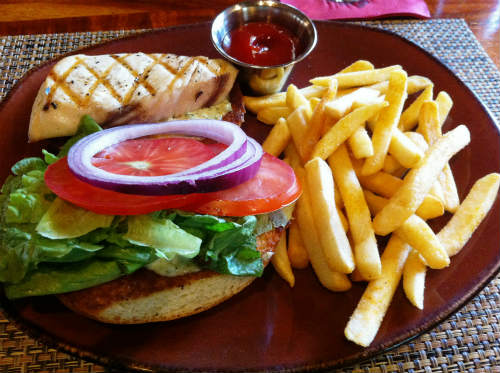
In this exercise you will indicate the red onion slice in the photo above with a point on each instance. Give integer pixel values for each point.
(239, 162)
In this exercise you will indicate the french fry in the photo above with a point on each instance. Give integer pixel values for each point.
(278, 138)
(297, 252)
(316, 123)
(294, 99)
(405, 151)
(414, 279)
(415, 232)
(387, 185)
(420, 236)
(330, 279)
(256, 104)
(357, 78)
(430, 127)
(386, 123)
(297, 124)
(445, 104)
(314, 101)
(418, 140)
(270, 115)
(343, 129)
(280, 261)
(415, 84)
(366, 319)
(419, 180)
(470, 213)
(360, 143)
(392, 166)
(341, 106)
(359, 65)
(409, 117)
(336, 247)
(366, 253)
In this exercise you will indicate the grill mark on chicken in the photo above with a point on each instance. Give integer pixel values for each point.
(139, 79)
(181, 72)
(167, 67)
(59, 82)
(100, 79)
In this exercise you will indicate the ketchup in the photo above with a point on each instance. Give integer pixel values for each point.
(261, 43)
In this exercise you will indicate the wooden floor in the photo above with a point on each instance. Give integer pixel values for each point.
(29, 17)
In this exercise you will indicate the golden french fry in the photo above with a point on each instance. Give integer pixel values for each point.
(418, 140)
(415, 83)
(295, 99)
(445, 104)
(404, 150)
(366, 319)
(430, 127)
(298, 126)
(386, 123)
(314, 101)
(256, 104)
(359, 65)
(419, 180)
(332, 280)
(297, 252)
(375, 203)
(414, 279)
(409, 117)
(357, 78)
(387, 185)
(416, 233)
(360, 143)
(428, 122)
(366, 253)
(280, 261)
(292, 156)
(470, 213)
(420, 236)
(278, 138)
(343, 219)
(316, 123)
(343, 129)
(270, 115)
(392, 166)
(341, 106)
(336, 247)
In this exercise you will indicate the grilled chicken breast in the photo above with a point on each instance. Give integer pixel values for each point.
(126, 88)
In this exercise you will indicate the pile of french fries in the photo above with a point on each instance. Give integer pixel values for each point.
(371, 163)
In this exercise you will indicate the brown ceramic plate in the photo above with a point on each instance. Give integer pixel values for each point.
(270, 327)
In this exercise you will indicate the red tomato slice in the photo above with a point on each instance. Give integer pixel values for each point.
(274, 186)
(152, 156)
(60, 179)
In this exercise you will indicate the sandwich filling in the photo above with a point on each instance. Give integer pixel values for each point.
(50, 246)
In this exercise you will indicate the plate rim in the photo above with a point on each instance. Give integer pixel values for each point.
(37, 333)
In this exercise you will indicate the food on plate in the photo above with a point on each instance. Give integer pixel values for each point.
(147, 222)
(381, 132)
(261, 44)
(126, 88)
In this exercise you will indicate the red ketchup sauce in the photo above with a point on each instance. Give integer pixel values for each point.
(261, 43)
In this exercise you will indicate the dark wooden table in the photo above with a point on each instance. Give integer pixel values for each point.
(33, 17)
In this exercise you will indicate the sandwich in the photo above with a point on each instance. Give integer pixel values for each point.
(128, 258)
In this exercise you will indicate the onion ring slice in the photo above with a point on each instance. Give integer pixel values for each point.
(238, 163)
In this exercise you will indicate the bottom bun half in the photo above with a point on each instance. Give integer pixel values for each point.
(145, 297)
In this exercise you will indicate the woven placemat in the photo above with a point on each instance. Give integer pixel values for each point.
(467, 341)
